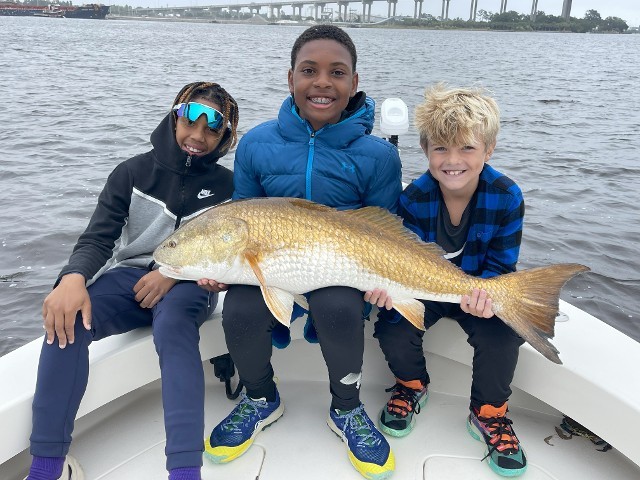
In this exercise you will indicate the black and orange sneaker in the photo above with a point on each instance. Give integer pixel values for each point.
(491, 425)
(397, 417)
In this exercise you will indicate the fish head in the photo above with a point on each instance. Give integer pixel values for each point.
(207, 247)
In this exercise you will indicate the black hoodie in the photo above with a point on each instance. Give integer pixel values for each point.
(145, 199)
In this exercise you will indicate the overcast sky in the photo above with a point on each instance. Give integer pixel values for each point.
(628, 10)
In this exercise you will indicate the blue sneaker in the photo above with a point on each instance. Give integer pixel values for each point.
(235, 434)
(369, 451)
(491, 425)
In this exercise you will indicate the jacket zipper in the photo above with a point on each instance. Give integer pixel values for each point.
(182, 192)
(312, 140)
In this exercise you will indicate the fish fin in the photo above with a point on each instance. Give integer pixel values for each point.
(308, 204)
(412, 310)
(533, 302)
(252, 259)
(280, 303)
(379, 219)
(301, 300)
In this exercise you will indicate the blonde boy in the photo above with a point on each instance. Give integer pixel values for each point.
(475, 213)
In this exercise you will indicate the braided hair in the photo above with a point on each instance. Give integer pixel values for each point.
(216, 94)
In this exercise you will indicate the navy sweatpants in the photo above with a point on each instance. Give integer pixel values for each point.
(495, 350)
(337, 318)
(175, 321)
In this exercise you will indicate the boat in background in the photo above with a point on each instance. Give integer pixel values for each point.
(91, 11)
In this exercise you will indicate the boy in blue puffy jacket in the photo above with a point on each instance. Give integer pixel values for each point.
(319, 148)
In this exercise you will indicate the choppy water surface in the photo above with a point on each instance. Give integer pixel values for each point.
(80, 96)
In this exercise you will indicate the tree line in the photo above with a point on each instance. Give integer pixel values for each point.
(514, 21)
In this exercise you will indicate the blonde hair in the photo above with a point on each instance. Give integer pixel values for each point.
(455, 116)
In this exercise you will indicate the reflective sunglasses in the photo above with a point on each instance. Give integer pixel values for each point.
(192, 111)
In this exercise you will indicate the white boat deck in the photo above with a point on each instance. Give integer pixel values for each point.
(124, 439)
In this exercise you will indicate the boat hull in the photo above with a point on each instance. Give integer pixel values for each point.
(439, 447)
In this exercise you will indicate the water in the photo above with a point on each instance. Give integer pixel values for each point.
(80, 96)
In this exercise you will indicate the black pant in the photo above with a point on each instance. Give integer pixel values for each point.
(337, 318)
(495, 350)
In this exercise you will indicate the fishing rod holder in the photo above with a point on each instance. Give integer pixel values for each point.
(394, 119)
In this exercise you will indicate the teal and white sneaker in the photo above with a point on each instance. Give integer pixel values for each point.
(235, 434)
(397, 417)
(491, 425)
(368, 450)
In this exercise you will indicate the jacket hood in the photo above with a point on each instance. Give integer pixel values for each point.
(356, 120)
(169, 153)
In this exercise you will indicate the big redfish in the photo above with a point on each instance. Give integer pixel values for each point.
(290, 246)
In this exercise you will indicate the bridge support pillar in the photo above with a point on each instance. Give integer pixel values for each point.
(417, 11)
(391, 13)
(473, 11)
(534, 10)
(316, 5)
(566, 9)
(343, 16)
(445, 10)
(366, 10)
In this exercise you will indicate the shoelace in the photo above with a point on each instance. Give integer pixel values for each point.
(245, 410)
(403, 401)
(503, 438)
(357, 421)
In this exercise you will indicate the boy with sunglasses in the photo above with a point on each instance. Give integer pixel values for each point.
(110, 284)
(319, 148)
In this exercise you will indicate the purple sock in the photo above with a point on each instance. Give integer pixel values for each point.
(46, 468)
(185, 473)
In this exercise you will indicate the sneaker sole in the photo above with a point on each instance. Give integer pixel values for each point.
(227, 454)
(74, 469)
(477, 435)
(364, 468)
(406, 431)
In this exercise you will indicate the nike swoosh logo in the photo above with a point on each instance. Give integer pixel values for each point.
(205, 194)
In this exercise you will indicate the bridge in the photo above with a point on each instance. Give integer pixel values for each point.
(566, 9)
(320, 11)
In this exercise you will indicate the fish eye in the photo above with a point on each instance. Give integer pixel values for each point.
(226, 238)
(171, 244)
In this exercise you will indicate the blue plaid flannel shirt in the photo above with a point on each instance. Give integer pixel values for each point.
(495, 233)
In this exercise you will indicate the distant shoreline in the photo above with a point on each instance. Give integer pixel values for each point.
(392, 25)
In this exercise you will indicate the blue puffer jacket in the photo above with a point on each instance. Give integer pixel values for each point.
(341, 165)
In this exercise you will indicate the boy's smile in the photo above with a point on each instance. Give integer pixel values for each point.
(457, 169)
(322, 81)
(196, 138)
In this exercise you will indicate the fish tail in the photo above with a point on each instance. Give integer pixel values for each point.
(529, 302)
